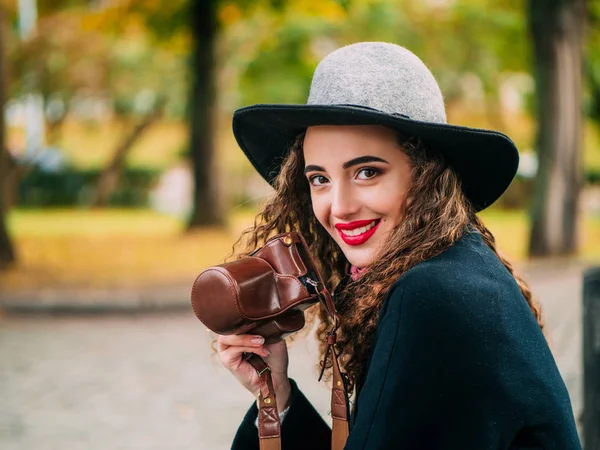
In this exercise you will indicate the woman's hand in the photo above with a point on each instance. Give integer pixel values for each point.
(231, 349)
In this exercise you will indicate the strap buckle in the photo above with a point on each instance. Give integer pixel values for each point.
(263, 370)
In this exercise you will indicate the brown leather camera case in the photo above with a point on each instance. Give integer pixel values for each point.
(265, 293)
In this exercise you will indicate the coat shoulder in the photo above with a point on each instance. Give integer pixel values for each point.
(466, 280)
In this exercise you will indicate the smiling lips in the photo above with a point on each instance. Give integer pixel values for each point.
(357, 232)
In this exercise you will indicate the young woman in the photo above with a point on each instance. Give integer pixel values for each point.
(442, 342)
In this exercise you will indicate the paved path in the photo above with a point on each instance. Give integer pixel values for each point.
(148, 382)
(132, 382)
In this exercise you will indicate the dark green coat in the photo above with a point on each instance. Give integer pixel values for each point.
(459, 362)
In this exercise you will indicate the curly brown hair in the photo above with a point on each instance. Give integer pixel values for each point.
(436, 215)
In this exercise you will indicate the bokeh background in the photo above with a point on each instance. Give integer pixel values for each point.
(121, 180)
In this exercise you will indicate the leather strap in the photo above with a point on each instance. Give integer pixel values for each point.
(339, 400)
(339, 391)
(340, 428)
(339, 434)
(269, 426)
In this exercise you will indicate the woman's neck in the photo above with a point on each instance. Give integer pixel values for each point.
(356, 272)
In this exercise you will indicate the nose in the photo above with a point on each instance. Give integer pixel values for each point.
(343, 202)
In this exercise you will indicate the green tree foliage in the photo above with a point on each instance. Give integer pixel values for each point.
(486, 38)
(592, 62)
(59, 62)
(108, 52)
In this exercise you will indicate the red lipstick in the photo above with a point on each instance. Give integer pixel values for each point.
(359, 238)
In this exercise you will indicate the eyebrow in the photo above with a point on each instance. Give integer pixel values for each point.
(362, 160)
(347, 164)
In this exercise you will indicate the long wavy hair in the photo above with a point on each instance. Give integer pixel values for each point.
(436, 215)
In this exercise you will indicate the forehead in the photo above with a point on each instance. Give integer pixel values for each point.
(340, 143)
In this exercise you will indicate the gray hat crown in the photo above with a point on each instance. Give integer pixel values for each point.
(378, 75)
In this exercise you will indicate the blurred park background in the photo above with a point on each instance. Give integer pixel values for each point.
(120, 179)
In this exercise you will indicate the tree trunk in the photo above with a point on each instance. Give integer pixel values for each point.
(557, 30)
(109, 177)
(7, 252)
(206, 209)
(594, 92)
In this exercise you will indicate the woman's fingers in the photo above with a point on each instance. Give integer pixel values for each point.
(231, 348)
(230, 357)
(240, 340)
(231, 351)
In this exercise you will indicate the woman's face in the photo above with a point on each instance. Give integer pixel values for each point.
(358, 178)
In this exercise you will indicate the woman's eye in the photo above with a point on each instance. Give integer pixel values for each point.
(367, 173)
(318, 180)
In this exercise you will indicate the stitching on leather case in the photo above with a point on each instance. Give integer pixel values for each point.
(291, 306)
(296, 280)
(193, 296)
(296, 240)
(233, 291)
(310, 257)
(244, 315)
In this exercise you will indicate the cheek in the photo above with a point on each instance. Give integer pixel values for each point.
(320, 210)
(395, 208)
(388, 200)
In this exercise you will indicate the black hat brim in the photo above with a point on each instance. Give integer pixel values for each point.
(486, 161)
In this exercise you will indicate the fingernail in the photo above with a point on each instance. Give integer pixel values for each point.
(258, 340)
(267, 352)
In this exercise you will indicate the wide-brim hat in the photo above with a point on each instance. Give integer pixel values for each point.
(377, 83)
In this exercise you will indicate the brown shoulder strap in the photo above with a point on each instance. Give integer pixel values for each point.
(339, 390)
(339, 401)
(269, 426)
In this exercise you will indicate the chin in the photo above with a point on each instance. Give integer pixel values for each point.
(359, 258)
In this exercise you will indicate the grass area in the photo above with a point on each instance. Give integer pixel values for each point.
(131, 248)
(115, 248)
